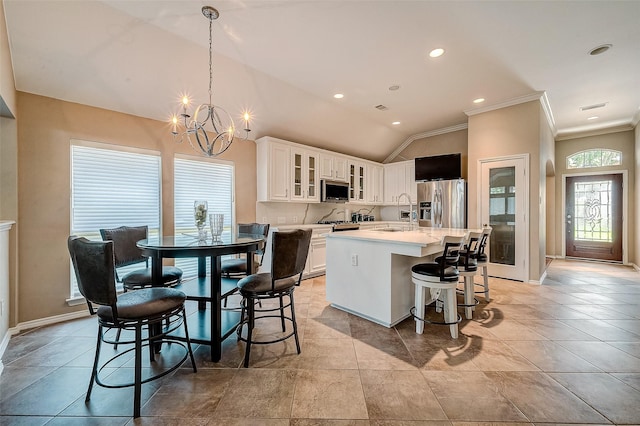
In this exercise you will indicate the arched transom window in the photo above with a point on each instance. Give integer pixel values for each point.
(594, 158)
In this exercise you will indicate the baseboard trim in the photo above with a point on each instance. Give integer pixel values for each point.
(541, 280)
(36, 323)
(636, 267)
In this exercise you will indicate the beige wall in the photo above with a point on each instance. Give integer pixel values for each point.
(636, 258)
(621, 141)
(506, 132)
(448, 143)
(45, 129)
(7, 84)
(8, 170)
(546, 172)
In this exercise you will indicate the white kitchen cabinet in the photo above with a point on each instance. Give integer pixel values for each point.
(333, 167)
(398, 178)
(317, 257)
(317, 260)
(304, 173)
(357, 183)
(273, 170)
(374, 184)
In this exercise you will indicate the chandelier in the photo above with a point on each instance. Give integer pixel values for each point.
(211, 130)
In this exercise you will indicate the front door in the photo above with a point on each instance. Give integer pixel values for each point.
(503, 206)
(593, 216)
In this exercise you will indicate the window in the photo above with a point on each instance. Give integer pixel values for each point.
(201, 179)
(112, 187)
(594, 158)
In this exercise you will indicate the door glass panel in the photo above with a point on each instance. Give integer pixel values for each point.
(593, 211)
(502, 203)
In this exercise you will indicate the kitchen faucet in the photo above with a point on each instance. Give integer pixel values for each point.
(410, 208)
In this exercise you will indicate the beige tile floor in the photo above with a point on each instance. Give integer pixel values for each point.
(566, 352)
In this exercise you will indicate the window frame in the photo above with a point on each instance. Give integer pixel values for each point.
(601, 151)
(74, 295)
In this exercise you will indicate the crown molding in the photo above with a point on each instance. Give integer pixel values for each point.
(423, 135)
(636, 118)
(510, 102)
(546, 107)
(583, 132)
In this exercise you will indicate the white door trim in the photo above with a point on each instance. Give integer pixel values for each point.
(525, 158)
(625, 207)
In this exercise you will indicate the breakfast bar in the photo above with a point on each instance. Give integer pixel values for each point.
(369, 271)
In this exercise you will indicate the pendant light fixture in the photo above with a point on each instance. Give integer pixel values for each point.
(211, 130)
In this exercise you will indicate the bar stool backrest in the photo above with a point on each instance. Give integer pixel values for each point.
(290, 250)
(93, 263)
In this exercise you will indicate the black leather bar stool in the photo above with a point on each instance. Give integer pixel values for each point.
(440, 277)
(483, 262)
(93, 263)
(289, 252)
(127, 253)
(468, 268)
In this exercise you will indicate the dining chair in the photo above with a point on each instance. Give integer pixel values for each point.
(238, 266)
(288, 259)
(440, 277)
(127, 253)
(150, 308)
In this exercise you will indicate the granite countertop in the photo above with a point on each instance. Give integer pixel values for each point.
(328, 225)
(420, 236)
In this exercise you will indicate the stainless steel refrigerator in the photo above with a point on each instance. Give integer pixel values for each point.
(442, 203)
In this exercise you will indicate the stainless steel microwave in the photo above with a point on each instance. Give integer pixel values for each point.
(334, 192)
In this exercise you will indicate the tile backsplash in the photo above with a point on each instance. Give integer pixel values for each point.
(309, 213)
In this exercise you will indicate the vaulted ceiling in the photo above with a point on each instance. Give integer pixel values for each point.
(284, 60)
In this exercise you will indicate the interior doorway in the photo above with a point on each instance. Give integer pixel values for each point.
(593, 217)
(504, 194)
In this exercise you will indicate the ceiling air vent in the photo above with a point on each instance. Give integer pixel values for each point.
(595, 106)
(381, 107)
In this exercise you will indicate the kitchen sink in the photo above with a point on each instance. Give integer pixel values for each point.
(390, 230)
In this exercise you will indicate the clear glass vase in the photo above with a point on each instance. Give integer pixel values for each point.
(200, 209)
(216, 222)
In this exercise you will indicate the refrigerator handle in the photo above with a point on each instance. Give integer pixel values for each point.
(438, 213)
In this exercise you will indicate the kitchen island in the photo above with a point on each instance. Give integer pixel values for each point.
(369, 271)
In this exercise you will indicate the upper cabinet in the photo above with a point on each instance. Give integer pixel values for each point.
(398, 178)
(286, 172)
(333, 167)
(357, 184)
(304, 171)
(374, 184)
(273, 170)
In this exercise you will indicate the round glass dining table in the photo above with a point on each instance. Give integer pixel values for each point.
(207, 326)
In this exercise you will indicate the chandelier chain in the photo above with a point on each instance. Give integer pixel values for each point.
(210, 59)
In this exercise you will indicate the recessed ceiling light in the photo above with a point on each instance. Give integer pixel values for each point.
(600, 49)
(394, 87)
(593, 117)
(436, 52)
(395, 123)
(338, 96)
(478, 101)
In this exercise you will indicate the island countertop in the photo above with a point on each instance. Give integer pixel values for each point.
(422, 237)
(369, 271)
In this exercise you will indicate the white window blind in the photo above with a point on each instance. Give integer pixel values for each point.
(111, 188)
(208, 180)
